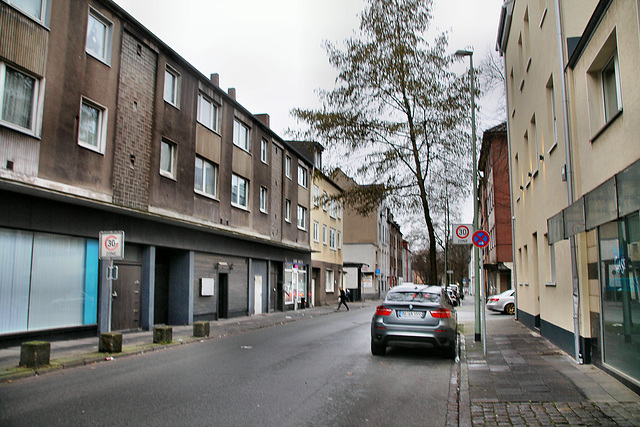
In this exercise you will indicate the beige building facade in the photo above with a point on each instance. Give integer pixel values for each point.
(326, 241)
(575, 172)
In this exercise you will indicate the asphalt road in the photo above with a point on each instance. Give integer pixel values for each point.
(313, 372)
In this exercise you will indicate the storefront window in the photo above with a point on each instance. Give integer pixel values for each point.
(619, 243)
(295, 279)
(46, 281)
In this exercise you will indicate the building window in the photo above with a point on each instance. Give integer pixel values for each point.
(19, 99)
(553, 118)
(339, 210)
(329, 287)
(316, 195)
(316, 232)
(332, 239)
(287, 167)
(611, 89)
(264, 150)
(33, 8)
(324, 234)
(317, 160)
(325, 196)
(99, 31)
(241, 135)
(171, 86)
(302, 176)
(206, 177)
(239, 192)
(287, 210)
(332, 208)
(302, 217)
(263, 199)
(168, 154)
(207, 112)
(339, 238)
(93, 126)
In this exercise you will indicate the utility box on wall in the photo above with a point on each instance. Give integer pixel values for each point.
(207, 287)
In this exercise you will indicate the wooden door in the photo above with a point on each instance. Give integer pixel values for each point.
(125, 311)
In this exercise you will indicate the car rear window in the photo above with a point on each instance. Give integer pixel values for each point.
(413, 297)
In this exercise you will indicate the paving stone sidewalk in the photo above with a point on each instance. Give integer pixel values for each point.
(524, 380)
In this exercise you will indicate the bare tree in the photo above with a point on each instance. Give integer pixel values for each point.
(397, 104)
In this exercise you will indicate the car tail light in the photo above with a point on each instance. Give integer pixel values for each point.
(441, 313)
(381, 310)
(493, 299)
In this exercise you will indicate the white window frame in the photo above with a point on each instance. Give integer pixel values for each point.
(210, 121)
(329, 282)
(287, 167)
(169, 172)
(609, 115)
(264, 151)
(332, 239)
(339, 209)
(236, 181)
(332, 208)
(103, 117)
(316, 195)
(36, 102)
(316, 231)
(303, 177)
(339, 239)
(302, 218)
(205, 174)
(43, 10)
(237, 140)
(263, 199)
(325, 196)
(287, 210)
(174, 82)
(105, 55)
(324, 234)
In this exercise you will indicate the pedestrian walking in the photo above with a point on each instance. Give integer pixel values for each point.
(343, 300)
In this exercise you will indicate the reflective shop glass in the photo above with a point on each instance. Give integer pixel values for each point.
(619, 244)
(46, 281)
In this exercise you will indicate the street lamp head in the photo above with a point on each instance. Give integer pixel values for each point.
(461, 53)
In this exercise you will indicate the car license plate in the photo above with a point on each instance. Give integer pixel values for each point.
(415, 314)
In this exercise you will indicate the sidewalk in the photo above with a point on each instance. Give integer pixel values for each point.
(526, 380)
(66, 354)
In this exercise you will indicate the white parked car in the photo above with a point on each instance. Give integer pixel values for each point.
(504, 302)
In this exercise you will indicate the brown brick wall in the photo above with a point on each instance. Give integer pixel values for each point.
(134, 123)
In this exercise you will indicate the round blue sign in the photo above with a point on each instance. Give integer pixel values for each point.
(480, 239)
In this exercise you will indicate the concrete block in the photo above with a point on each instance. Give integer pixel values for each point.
(34, 354)
(201, 329)
(110, 342)
(162, 334)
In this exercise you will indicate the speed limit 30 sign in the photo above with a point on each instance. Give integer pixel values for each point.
(111, 245)
(462, 234)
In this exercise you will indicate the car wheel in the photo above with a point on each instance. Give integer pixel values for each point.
(378, 349)
(510, 308)
(450, 350)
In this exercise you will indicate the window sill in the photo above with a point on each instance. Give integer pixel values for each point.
(606, 126)
(23, 131)
(172, 104)
(207, 195)
(97, 58)
(264, 212)
(168, 175)
(302, 229)
(242, 208)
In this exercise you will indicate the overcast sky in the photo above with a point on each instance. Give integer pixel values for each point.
(272, 52)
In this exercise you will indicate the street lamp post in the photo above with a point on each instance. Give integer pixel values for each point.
(476, 265)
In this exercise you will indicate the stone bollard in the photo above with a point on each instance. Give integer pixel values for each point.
(162, 334)
(201, 329)
(34, 354)
(110, 342)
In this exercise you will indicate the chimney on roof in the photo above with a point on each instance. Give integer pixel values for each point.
(215, 79)
(264, 118)
(232, 92)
